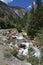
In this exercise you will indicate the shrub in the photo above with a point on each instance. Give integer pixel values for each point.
(39, 38)
(33, 60)
(14, 52)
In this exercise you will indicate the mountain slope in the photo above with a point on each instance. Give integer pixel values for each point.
(11, 17)
(11, 11)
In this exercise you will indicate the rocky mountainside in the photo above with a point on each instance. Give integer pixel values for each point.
(11, 11)
(10, 16)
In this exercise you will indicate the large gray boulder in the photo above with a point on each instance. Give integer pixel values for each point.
(7, 59)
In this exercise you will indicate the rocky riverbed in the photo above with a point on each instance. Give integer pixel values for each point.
(13, 40)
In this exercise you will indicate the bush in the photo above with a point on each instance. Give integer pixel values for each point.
(39, 37)
(14, 52)
(1, 14)
(33, 60)
(41, 56)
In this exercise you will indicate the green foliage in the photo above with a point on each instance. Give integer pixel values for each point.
(2, 24)
(8, 22)
(39, 37)
(36, 22)
(33, 60)
(38, 2)
(30, 50)
(41, 57)
(1, 14)
(14, 52)
(32, 22)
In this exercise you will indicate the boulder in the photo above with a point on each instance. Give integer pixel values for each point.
(25, 34)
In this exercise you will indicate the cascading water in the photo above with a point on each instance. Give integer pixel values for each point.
(37, 52)
(25, 51)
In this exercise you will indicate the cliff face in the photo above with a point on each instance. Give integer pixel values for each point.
(11, 11)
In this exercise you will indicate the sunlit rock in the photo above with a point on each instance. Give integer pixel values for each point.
(25, 35)
(4, 38)
(14, 36)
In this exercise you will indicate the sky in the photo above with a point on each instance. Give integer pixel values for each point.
(7, 1)
(21, 3)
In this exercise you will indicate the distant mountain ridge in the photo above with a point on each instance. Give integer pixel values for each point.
(15, 12)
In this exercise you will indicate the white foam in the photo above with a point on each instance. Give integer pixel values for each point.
(37, 52)
(20, 37)
(25, 52)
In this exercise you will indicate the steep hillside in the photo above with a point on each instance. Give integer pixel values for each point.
(10, 17)
(11, 11)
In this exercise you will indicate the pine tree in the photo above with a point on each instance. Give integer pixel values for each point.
(31, 28)
(39, 15)
(36, 22)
